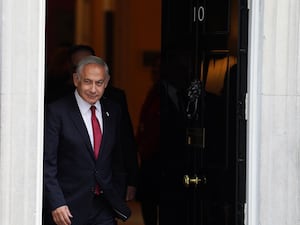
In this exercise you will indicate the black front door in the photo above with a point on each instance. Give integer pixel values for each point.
(204, 59)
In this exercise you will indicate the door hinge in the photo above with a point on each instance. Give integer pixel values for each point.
(242, 108)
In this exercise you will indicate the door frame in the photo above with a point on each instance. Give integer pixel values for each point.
(22, 67)
(252, 111)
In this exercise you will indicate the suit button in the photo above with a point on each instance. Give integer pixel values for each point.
(96, 172)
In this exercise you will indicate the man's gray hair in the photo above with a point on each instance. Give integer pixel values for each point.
(91, 60)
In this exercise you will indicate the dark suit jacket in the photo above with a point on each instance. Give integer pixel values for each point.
(126, 164)
(70, 169)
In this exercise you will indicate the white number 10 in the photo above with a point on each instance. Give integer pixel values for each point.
(199, 14)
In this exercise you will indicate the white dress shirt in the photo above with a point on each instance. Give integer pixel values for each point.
(86, 113)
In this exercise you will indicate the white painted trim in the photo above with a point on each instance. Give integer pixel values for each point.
(253, 123)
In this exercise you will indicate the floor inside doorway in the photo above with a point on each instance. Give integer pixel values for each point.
(136, 216)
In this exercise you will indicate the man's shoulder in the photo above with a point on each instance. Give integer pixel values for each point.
(115, 90)
(63, 102)
(116, 95)
(109, 102)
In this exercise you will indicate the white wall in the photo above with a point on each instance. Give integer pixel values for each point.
(22, 34)
(274, 113)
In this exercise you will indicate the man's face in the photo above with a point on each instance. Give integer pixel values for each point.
(91, 83)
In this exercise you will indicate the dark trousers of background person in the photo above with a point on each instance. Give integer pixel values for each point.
(148, 190)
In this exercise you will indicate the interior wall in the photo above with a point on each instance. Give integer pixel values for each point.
(60, 25)
(138, 31)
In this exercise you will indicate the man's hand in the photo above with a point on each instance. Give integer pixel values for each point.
(62, 215)
(130, 194)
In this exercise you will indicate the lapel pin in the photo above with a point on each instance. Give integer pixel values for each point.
(107, 114)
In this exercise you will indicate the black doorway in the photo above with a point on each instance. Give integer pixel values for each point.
(203, 126)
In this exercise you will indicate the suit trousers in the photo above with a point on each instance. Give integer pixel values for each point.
(101, 212)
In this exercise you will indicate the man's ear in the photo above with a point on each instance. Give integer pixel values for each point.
(75, 79)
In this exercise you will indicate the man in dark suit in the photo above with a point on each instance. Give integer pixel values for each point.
(79, 186)
(126, 160)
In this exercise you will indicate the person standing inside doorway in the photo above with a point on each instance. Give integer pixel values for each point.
(148, 136)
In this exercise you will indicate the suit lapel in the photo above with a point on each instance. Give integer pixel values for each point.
(107, 126)
(80, 125)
